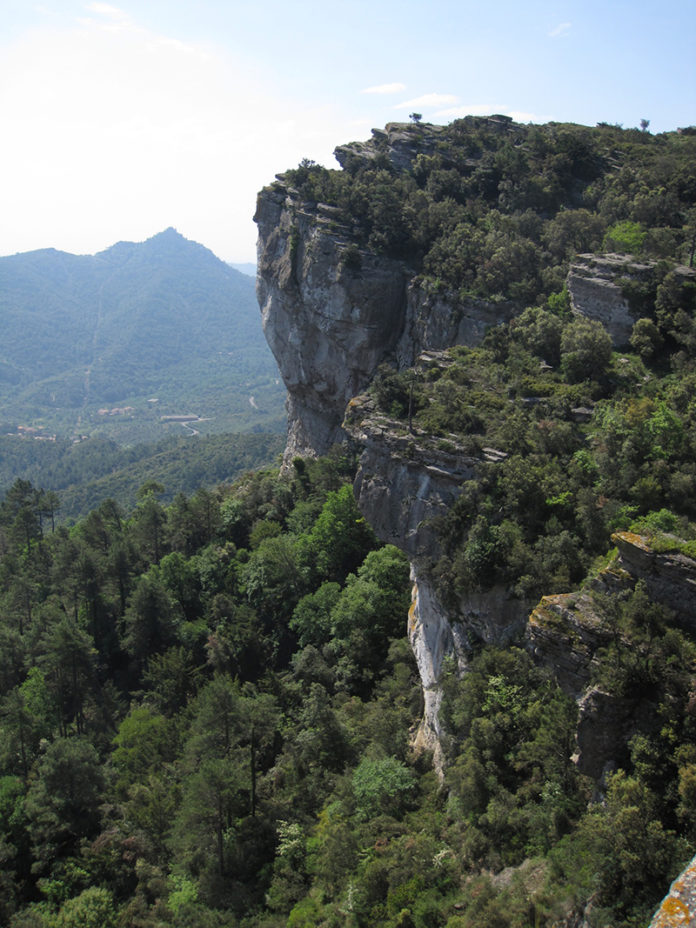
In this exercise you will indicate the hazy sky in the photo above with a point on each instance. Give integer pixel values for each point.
(119, 120)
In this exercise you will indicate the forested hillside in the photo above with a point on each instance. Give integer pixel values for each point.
(89, 471)
(121, 343)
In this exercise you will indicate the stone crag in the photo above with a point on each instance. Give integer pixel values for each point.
(332, 314)
(594, 285)
(565, 632)
(328, 327)
(405, 484)
(600, 287)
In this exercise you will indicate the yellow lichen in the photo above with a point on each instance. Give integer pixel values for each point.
(631, 538)
(673, 912)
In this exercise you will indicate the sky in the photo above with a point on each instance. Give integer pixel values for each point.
(122, 119)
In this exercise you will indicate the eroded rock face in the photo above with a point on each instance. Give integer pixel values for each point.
(435, 321)
(669, 577)
(328, 326)
(405, 484)
(399, 143)
(565, 632)
(594, 285)
(332, 313)
(432, 638)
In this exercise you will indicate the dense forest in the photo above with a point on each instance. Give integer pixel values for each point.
(89, 471)
(208, 702)
(208, 707)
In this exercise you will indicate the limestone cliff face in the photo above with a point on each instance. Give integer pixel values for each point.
(594, 285)
(333, 313)
(328, 326)
(600, 288)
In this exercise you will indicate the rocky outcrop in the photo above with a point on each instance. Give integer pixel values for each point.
(406, 480)
(434, 321)
(595, 286)
(669, 576)
(332, 312)
(328, 326)
(405, 484)
(432, 637)
(678, 908)
(616, 290)
(565, 632)
(399, 143)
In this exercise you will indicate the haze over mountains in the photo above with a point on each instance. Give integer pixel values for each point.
(114, 344)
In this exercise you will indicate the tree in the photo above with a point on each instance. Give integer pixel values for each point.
(148, 520)
(68, 665)
(272, 578)
(144, 740)
(93, 908)
(311, 619)
(381, 786)
(20, 513)
(340, 538)
(149, 620)
(415, 118)
(27, 715)
(626, 237)
(585, 349)
(63, 801)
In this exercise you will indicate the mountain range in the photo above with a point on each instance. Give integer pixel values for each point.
(134, 343)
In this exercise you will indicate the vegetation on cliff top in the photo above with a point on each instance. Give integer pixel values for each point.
(497, 209)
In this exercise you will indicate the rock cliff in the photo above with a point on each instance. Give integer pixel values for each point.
(405, 483)
(614, 289)
(594, 285)
(328, 326)
(333, 312)
(565, 633)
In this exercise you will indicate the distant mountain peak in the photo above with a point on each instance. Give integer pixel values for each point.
(169, 233)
